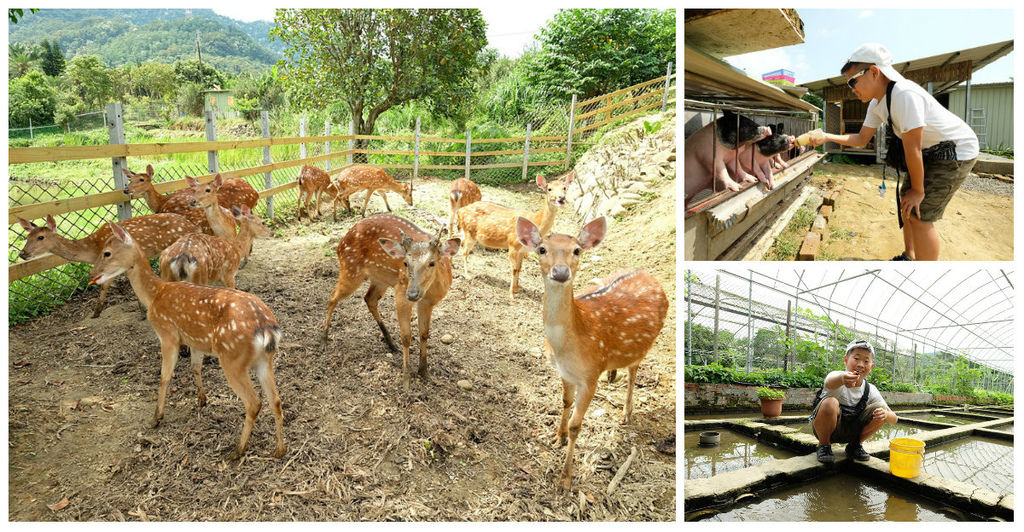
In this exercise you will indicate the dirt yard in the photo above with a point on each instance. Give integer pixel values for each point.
(976, 225)
(82, 391)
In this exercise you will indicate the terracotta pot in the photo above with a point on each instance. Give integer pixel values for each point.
(771, 407)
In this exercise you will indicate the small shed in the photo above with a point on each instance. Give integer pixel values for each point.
(990, 114)
(940, 74)
(221, 102)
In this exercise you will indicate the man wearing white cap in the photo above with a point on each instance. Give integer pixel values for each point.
(940, 148)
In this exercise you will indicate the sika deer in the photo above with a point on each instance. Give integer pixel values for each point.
(392, 252)
(205, 197)
(610, 326)
(463, 193)
(313, 180)
(153, 232)
(356, 178)
(494, 226)
(233, 192)
(202, 259)
(235, 326)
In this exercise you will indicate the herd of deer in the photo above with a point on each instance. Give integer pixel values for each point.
(204, 234)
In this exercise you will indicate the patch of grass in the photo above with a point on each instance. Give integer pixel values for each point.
(787, 244)
(839, 233)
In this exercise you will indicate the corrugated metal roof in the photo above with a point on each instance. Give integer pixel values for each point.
(708, 78)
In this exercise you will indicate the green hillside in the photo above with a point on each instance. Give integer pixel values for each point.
(122, 36)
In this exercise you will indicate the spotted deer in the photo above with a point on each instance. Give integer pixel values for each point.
(360, 177)
(463, 192)
(153, 232)
(608, 326)
(494, 225)
(202, 259)
(393, 252)
(235, 326)
(205, 198)
(233, 192)
(313, 180)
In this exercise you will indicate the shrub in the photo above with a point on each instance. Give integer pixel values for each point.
(770, 393)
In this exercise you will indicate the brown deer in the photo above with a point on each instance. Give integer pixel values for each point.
(609, 326)
(313, 180)
(153, 232)
(494, 225)
(393, 252)
(235, 326)
(233, 192)
(360, 177)
(202, 259)
(463, 193)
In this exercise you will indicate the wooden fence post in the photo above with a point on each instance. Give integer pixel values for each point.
(416, 153)
(211, 136)
(327, 143)
(31, 135)
(572, 120)
(352, 141)
(668, 81)
(469, 149)
(526, 151)
(302, 133)
(124, 209)
(608, 107)
(268, 179)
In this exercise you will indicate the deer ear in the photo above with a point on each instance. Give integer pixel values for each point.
(26, 224)
(121, 234)
(392, 247)
(541, 182)
(127, 172)
(191, 181)
(592, 234)
(570, 177)
(217, 181)
(528, 233)
(149, 170)
(450, 247)
(235, 211)
(51, 223)
(246, 210)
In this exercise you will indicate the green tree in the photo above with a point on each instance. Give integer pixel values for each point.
(14, 15)
(21, 59)
(376, 59)
(90, 80)
(154, 80)
(189, 71)
(53, 62)
(588, 52)
(30, 97)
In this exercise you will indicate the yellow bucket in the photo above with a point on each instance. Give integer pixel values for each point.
(906, 455)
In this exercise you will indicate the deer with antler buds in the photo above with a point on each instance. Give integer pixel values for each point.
(609, 326)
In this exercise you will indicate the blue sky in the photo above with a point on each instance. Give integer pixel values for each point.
(832, 34)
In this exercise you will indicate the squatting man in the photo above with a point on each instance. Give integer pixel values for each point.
(848, 409)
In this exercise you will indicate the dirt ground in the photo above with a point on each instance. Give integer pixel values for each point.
(82, 391)
(975, 226)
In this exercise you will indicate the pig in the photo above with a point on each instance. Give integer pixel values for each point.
(767, 155)
(702, 171)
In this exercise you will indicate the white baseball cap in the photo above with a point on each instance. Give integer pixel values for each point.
(877, 55)
(860, 344)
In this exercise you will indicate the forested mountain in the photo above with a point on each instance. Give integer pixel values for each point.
(131, 36)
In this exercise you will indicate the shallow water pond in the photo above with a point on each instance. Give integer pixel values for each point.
(735, 451)
(984, 462)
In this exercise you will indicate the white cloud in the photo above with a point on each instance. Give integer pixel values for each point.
(247, 13)
(865, 14)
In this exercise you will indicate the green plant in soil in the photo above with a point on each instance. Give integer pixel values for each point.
(770, 393)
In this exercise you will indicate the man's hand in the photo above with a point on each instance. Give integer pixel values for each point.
(817, 137)
(880, 414)
(850, 379)
(911, 201)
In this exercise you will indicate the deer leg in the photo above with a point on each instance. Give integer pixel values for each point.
(584, 394)
(515, 256)
(196, 358)
(385, 196)
(467, 247)
(103, 298)
(319, 202)
(403, 308)
(629, 393)
(168, 357)
(451, 221)
(230, 272)
(237, 375)
(366, 202)
(423, 313)
(346, 285)
(265, 373)
(298, 205)
(568, 392)
(372, 297)
(142, 310)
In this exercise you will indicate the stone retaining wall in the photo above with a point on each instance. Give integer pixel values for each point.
(724, 397)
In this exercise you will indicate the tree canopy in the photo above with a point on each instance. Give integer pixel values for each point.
(375, 59)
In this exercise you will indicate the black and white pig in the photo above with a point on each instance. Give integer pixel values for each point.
(767, 155)
(701, 169)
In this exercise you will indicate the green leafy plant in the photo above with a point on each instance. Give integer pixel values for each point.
(652, 128)
(765, 392)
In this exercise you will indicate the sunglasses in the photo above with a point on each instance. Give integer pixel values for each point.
(853, 79)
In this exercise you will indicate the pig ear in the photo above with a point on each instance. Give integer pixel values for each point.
(541, 182)
(26, 224)
(592, 234)
(450, 247)
(778, 128)
(51, 223)
(121, 234)
(528, 233)
(392, 247)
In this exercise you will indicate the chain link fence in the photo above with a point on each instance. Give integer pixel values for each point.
(760, 327)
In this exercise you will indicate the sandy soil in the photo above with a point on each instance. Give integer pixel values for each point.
(975, 226)
(81, 393)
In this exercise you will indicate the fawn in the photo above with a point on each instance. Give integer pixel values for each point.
(359, 177)
(609, 326)
(233, 192)
(205, 198)
(494, 225)
(153, 232)
(463, 192)
(235, 326)
(202, 259)
(313, 180)
(393, 252)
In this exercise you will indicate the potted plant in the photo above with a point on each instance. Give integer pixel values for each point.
(771, 401)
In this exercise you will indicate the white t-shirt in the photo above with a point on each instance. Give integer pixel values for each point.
(851, 396)
(913, 107)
